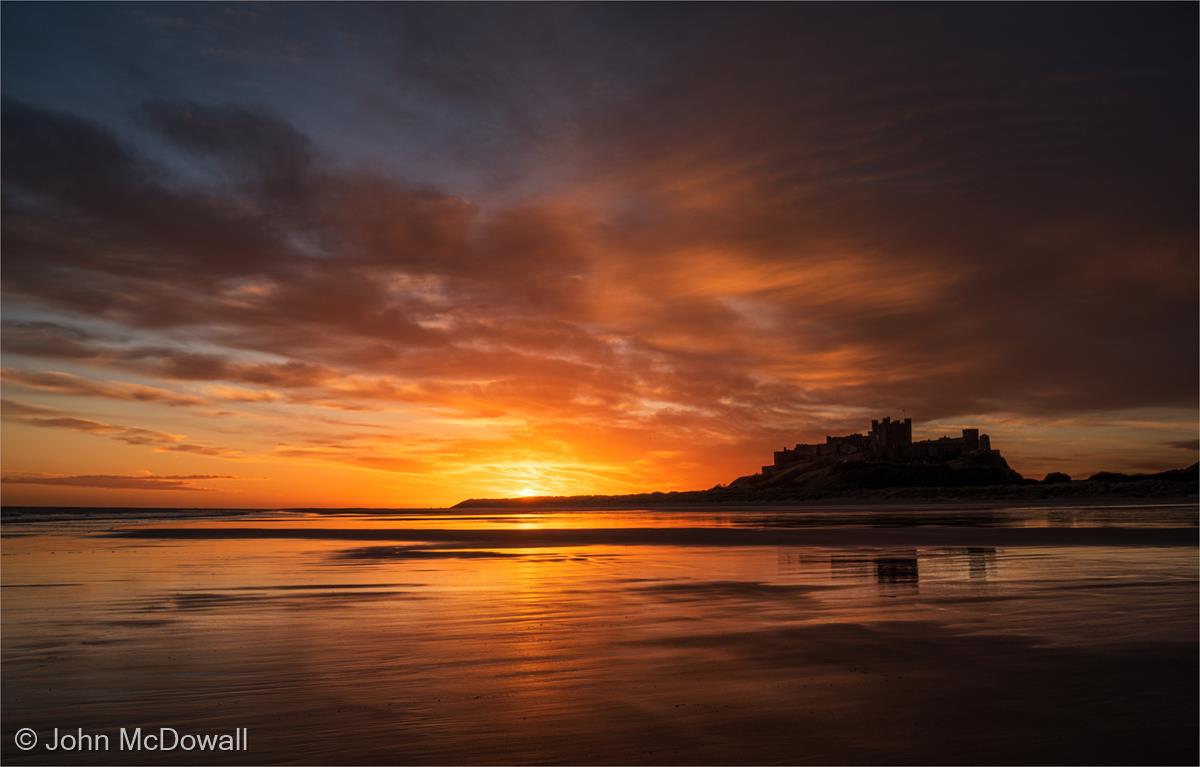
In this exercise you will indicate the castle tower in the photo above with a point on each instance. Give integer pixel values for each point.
(970, 439)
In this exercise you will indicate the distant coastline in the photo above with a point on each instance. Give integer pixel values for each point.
(1177, 485)
(1104, 488)
(886, 466)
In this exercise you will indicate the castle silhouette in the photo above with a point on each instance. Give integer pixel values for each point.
(889, 440)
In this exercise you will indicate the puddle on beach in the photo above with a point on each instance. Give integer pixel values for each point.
(747, 636)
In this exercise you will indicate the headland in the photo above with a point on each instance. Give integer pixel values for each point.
(887, 466)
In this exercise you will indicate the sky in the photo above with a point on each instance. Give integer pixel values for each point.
(402, 255)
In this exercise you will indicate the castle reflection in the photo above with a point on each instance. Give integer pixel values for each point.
(904, 567)
(981, 560)
(897, 570)
(889, 569)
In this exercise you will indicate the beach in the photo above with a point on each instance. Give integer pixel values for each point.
(752, 635)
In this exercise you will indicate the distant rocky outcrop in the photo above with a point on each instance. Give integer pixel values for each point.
(1191, 473)
(1056, 478)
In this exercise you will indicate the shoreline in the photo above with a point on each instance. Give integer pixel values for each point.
(613, 503)
(892, 503)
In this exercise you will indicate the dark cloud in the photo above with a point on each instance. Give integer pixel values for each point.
(17, 409)
(126, 219)
(250, 146)
(47, 418)
(114, 481)
(46, 339)
(67, 383)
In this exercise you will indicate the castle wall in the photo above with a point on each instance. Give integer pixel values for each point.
(888, 440)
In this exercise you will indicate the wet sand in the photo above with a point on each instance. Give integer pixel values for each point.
(433, 538)
(694, 637)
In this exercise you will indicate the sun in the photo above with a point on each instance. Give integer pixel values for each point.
(529, 492)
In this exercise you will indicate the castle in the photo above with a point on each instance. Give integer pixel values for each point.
(888, 441)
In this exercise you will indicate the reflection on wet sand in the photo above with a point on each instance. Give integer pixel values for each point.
(973, 562)
(980, 561)
(519, 639)
(885, 569)
(896, 570)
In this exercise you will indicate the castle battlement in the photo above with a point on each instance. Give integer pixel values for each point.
(889, 440)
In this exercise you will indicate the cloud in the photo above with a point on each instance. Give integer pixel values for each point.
(114, 481)
(68, 383)
(46, 418)
(15, 409)
(414, 281)
(714, 240)
(46, 339)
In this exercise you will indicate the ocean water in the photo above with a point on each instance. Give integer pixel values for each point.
(754, 635)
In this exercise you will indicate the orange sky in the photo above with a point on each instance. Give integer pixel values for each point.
(330, 270)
